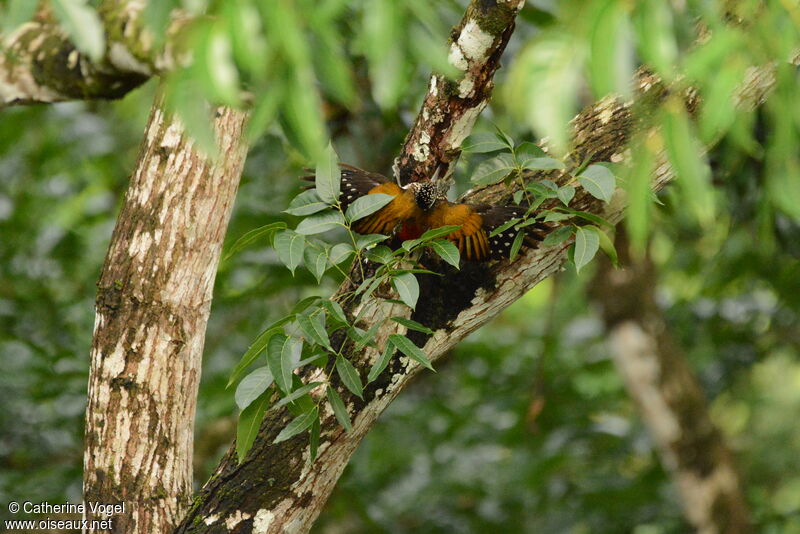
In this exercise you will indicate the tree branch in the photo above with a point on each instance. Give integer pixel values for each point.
(153, 302)
(451, 106)
(39, 63)
(669, 398)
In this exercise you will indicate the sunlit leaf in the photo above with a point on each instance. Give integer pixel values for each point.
(82, 23)
(694, 176)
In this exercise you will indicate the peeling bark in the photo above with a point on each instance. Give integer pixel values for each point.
(153, 302)
(39, 63)
(670, 399)
(451, 107)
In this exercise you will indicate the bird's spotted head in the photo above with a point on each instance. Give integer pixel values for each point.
(426, 194)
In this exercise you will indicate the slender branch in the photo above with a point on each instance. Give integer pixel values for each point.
(153, 302)
(451, 106)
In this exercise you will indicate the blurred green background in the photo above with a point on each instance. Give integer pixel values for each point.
(526, 427)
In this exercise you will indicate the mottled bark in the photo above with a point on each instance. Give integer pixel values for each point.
(451, 107)
(670, 399)
(153, 302)
(39, 63)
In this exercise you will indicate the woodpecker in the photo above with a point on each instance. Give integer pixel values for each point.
(419, 207)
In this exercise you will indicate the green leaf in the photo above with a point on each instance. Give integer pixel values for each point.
(316, 260)
(367, 337)
(505, 226)
(249, 424)
(481, 143)
(599, 182)
(313, 327)
(365, 241)
(256, 347)
(335, 311)
(413, 325)
(652, 23)
(607, 246)
(518, 196)
(297, 393)
(264, 111)
(281, 357)
(591, 217)
(215, 59)
(565, 194)
(252, 386)
(266, 231)
(17, 13)
(555, 216)
(694, 176)
(340, 252)
(328, 176)
(381, 363)
(339, 409)
(611, 52)
(504, 137)
(407, 347)
(587, 241)
(319, 223)
(550, 65)
(298, 425)
(304, 304)
(306, 203)
(367, 205)
(447, 251)
(407, 287)
(637, 218)
(527, 151)
(349, 376)
(290, 246)
(439, 231)
(559, 235)
(380, 254)
(494, 170)
(516, 245)
(83, 26)
(543, 164)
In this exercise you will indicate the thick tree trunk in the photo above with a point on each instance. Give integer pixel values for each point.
(154, 297)
(670, 399)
